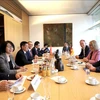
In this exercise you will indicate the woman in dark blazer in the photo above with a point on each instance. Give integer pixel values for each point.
(7, 63)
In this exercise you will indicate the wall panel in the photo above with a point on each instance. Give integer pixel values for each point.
(25, 26)
(12, 7)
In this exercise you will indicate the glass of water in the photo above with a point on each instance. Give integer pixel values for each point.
(87, 73)
(46, 88)
(10, 92)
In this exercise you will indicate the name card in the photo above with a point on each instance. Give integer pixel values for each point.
(36, 81)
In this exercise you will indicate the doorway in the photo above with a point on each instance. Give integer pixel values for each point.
(1, 28)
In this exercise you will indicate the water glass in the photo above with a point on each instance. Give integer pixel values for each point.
(9, 93)
(87, 72)
(46, 87)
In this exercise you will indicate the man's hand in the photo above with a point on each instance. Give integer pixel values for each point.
(18, 75)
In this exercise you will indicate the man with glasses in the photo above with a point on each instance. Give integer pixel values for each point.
(29, 52)
(84, 50)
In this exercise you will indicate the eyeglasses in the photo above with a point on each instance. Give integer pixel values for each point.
(10, 47)
(90, 44)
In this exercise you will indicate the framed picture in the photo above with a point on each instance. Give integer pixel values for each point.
(56, 34)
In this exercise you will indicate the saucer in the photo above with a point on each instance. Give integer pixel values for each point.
(97, 82)
(93, 98)
(61, 82)
(69, 65)
(18, 91)
(42, 98)
(74, 68)
(29, 77)
(55, 71)
(83, 64)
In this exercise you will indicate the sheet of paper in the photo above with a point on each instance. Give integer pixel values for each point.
(20, 81)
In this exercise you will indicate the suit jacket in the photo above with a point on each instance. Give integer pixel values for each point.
(46, 50)
(4, 64)
(97, 66)
(87, 50)
(36, 52)
(21, 59)
(4, 76)
(29, 56)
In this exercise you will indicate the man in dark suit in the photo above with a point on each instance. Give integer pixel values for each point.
(66, 48)
(29, 52)
(45, 49)
(84, 50)
(36, 50)
(22, 57)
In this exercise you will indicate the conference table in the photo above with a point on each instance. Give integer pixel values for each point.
(74, 89)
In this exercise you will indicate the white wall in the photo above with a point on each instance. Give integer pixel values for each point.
(80, 24)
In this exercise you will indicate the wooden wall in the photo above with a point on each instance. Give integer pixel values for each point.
(12, 7)
(14, 30)
(25, 26)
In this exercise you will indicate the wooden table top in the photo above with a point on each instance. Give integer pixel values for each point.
(74, 89)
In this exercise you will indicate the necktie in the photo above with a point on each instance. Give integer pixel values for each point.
(31, 53)
(25, 55)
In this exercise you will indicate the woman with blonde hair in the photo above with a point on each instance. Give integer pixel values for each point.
(94, 54)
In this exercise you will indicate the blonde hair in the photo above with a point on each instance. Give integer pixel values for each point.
(94, 44)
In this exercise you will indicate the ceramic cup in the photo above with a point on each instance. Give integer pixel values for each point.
(61, 79)
(97, 97)
(92, 80)
(18, 88)
(35, 96)
(75, 67)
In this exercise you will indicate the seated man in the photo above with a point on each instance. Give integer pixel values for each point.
(84, 50)
(36, 50)
(66, 48)
(45, 49)
(21, 57)
(29, 52)
(94, 67)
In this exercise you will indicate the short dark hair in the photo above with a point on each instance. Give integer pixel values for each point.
(4, 45)
(45, 44)
(36, 43)
(23, 43)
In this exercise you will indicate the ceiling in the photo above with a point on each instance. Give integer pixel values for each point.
(57, 7)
